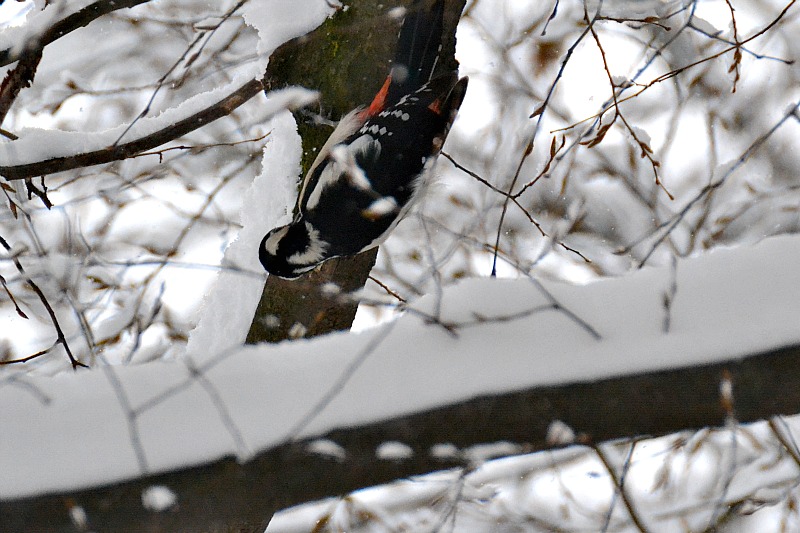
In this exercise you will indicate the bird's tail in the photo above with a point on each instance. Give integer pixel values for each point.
(418, 48)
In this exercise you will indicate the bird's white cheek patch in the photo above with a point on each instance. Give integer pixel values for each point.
(271, 244)
(314, 252)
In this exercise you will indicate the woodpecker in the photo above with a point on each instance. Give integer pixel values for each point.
(371, 169)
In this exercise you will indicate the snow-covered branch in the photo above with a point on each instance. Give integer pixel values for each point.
(43, 152)
(59, 19)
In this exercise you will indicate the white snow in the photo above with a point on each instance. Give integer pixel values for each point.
(158, 498)
(266, 205)
(77, 516)
(277, 21)
(394, 451)
(14, 13)
(326, 448)
(445, 451)
(480, 453)
(559, 433)
(704, 26)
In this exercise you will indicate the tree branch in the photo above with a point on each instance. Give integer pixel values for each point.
(131, 148)
(64, 26)
(227, 495)
(18, 78)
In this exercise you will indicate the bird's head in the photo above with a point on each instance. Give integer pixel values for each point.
(289, 251)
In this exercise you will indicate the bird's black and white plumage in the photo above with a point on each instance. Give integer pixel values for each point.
(370, 169)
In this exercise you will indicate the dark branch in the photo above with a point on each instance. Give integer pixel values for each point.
(18, 78)
(129, 149)
(67, 25)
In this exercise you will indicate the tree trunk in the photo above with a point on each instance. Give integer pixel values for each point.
(347, 59)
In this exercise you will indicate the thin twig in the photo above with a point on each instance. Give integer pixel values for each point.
(11, 297)
(646, 150)
(526, 153)
(670, 224)
(785, 437)
(60, 337)
(27, 358)
(619, 485)
(386, 288)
